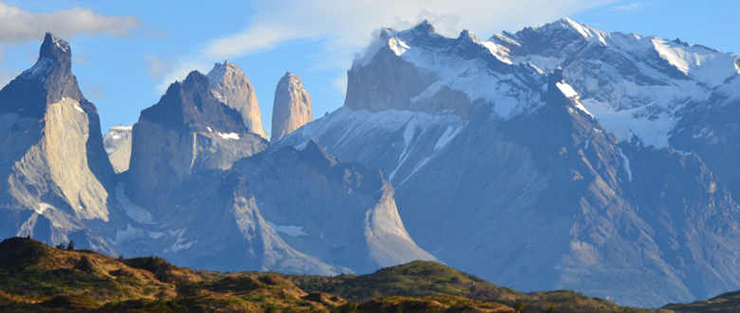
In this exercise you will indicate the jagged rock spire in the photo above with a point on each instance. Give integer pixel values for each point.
(292, 107)
(53, 157)
(48, 81)
(230, 86)
(56, 49)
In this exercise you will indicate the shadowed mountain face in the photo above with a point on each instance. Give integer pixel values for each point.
(295, 211)
(342, 213)
(553, 155)
(55, 178)
(188, 131)
(207, 192)
(48, 81)
(179, 196)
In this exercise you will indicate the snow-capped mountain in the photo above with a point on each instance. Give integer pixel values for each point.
(562, 156)
(636, 86)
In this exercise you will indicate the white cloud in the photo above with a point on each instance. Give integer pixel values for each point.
(254, 39)
(347, 26)
(17, 25)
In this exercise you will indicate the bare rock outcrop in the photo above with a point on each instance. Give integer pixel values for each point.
(53, 167)
(230, 86)
(190, 130)
(292, 107)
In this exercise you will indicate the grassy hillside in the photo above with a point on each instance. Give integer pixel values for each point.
(726, 303)
(425, 279)
(37, 278)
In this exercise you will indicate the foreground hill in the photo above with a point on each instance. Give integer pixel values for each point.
(37, 277)
(729, 302)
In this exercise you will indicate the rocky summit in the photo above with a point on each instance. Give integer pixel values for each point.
(292, 108)
(194, 180)
(230, 86)
(55, 178)
(190, 130)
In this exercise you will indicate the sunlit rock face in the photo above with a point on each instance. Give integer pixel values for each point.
(190, 130)
(55, 178)
(230, 86)
(292, 108)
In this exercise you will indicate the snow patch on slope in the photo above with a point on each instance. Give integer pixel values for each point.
(567, 90)
(472, 77)
(135, 212)
(702, 63)
(398, 46)
(587, 32)
(653, 130)
(571, 93)
(228, 136)
(626, 163)
(449, 134)
(409, 133)
(353, 130)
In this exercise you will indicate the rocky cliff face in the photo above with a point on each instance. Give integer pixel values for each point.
(230, 86)
(343, 214)
(288, 210)
(292, 108)
(55, 177)
(204, 191)
(547, 152)
(190, 130)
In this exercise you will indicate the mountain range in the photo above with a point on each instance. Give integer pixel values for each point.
(556, 157)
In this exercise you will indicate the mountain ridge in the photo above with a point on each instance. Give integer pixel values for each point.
(563, 142)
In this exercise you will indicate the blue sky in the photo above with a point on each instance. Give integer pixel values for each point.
(127, 52)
